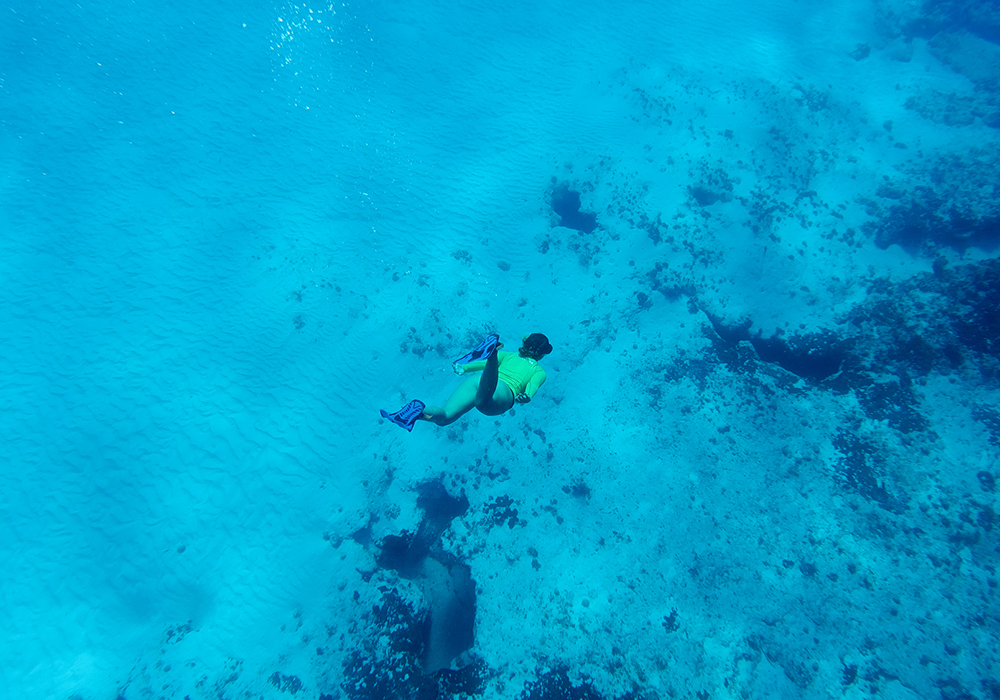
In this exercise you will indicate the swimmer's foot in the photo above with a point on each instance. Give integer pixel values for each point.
(482, 351)
(407, 415)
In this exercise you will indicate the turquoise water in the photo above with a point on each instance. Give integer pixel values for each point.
(230, 233)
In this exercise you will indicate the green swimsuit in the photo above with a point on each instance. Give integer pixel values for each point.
(521, 374)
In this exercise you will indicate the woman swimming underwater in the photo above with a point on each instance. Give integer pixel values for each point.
(506, 377)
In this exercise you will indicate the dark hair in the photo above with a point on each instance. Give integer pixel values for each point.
(535, 346)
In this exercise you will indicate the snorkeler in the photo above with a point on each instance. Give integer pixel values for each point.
(506, 377)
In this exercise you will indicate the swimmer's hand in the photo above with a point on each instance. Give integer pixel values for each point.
(522, 398)
(459, 369)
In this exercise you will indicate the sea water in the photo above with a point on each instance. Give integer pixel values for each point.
(763, 460)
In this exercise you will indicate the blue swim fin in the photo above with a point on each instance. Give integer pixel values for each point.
(481, 352)
(407, 415)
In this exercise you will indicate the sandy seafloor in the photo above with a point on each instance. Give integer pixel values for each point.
(763, 462)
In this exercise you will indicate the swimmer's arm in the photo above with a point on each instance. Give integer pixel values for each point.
(478, 365)
(536, 381)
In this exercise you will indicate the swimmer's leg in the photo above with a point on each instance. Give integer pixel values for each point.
(484, 392)
(461, 401)
(493, 397)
